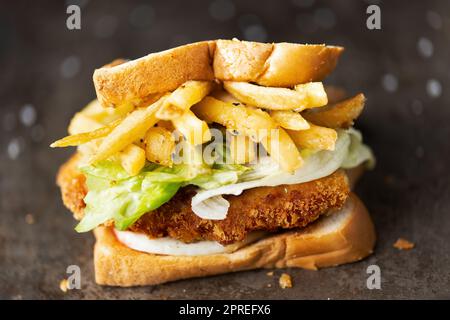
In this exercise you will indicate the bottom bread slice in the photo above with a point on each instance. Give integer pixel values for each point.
(342, 237)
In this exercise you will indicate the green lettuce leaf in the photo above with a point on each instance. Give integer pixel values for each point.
(124, 201)
(115, 195)
(358, 152)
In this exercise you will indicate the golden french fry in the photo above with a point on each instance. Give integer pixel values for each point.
(282, 149)
(132, 128)
(140, 142)
(159, 146)
(223, 95)
(183, 98)
(81, 123)
(338, 115)
(166, 125)
(169, 111)
(314, 93)
(92, 108)
(81, 138)
(242, 149)
(88, 149)
(145, 102)
(248, 121)
(186, 153)
(189, 94)
(315, 138)
(105, 115)
(192, 128)
(289, 119)
(132, 159)
(307, 95)
(254, 123)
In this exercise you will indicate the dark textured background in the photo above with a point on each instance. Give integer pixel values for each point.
(404, 69)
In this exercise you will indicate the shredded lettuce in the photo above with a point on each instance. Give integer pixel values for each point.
(358, 152)
(123, 200)
(115, 195)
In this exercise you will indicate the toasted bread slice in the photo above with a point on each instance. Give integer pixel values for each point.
(342, 237)
(273, 65)
(279, 65)
(137, 80)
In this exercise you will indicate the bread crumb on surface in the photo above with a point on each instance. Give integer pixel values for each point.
(270, 273)
(269, 285)
(64, 285)
(285, 281)
(29, 219)
(403, 244)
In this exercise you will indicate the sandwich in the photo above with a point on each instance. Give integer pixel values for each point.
(215, 157)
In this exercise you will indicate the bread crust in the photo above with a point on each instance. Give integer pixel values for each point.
(73, 186)
(137, 80)
(268, 64)
(312, 247)
(240, 60)
(273, 65)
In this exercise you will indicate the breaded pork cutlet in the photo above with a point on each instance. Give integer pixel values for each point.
(264, 208)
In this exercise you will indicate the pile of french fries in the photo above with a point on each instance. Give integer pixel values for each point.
(284, 121)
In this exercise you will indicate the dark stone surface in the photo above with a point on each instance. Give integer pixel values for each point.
(408, 193)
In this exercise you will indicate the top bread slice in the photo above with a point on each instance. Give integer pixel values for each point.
(267, 64)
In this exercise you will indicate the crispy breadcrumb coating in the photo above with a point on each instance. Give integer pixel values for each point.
(285, 281)
(403, 244)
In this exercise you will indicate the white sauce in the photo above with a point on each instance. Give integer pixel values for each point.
(170, 246)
